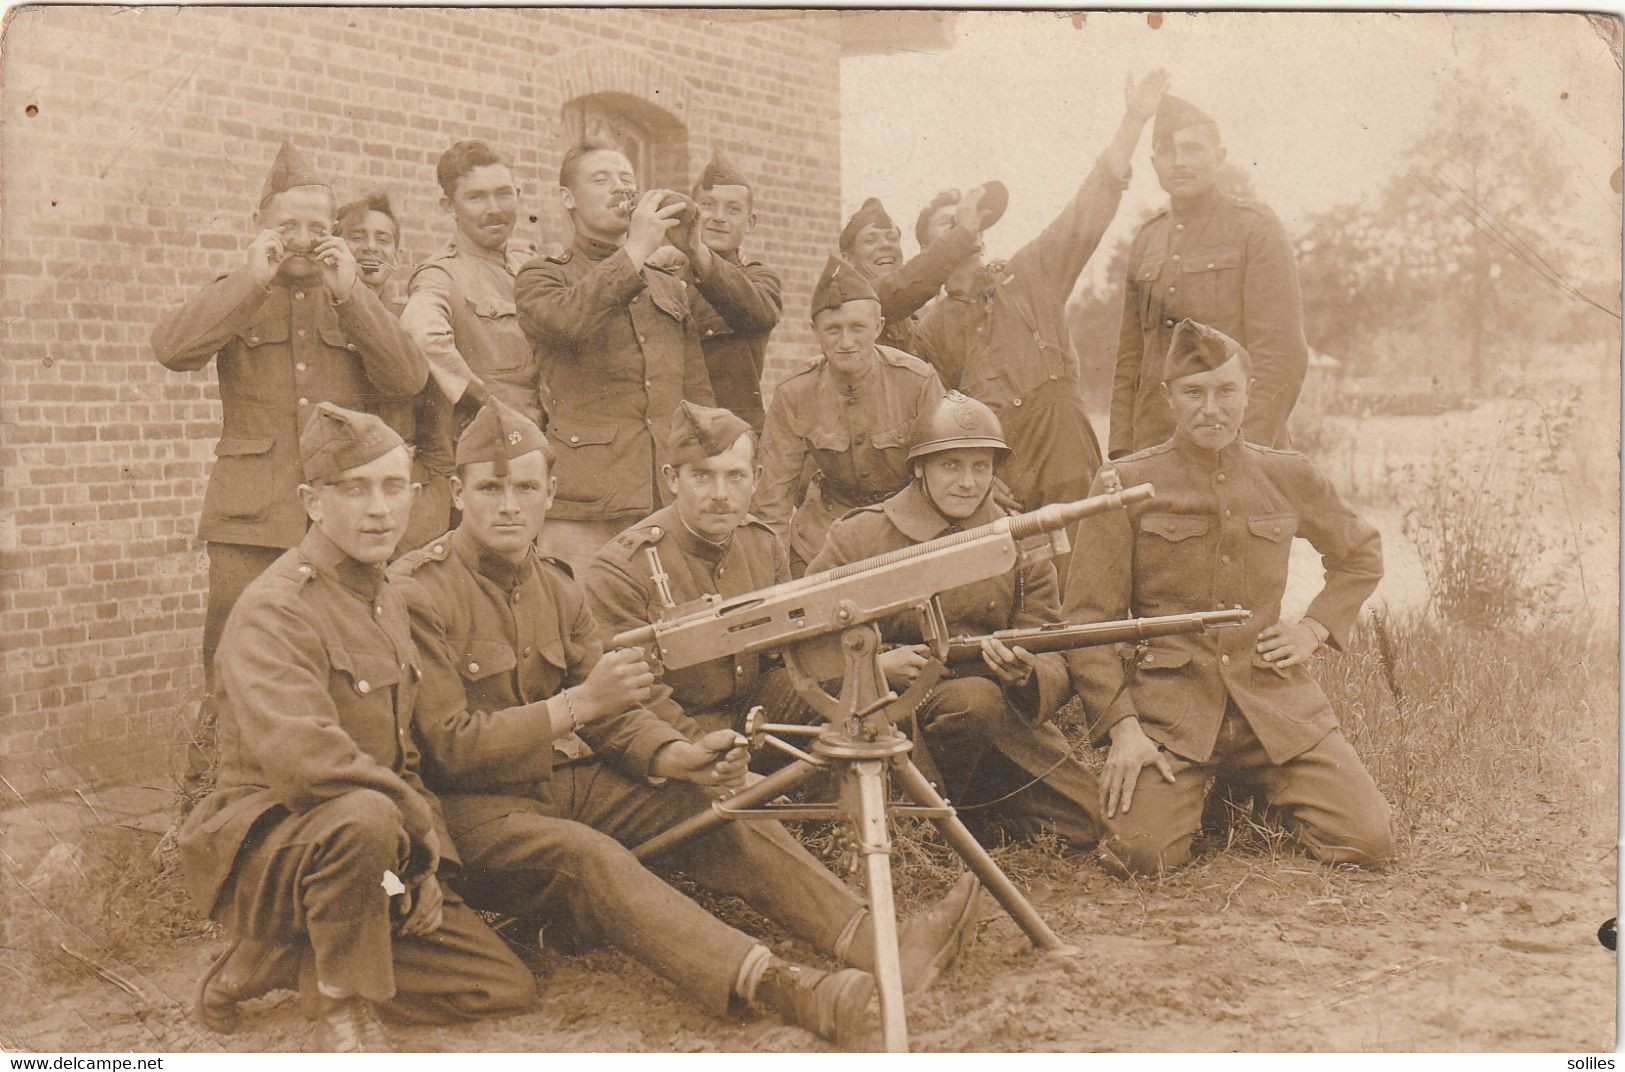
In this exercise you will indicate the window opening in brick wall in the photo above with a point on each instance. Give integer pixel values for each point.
(654, 140)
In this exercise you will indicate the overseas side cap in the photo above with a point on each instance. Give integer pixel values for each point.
(337, 439)
(1197, 348)
(838, 284)
(869, 213)
(701, 432)
(498, 433)
(291, 169)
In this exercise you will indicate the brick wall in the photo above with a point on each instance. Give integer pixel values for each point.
(134, 143)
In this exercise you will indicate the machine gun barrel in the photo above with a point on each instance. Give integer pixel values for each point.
(1063, 637)
(857, 592)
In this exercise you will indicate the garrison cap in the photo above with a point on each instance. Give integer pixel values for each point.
(721, 172)
(290, 170)
(1174, 115)
(1197, 348)
(838, 284)
(701, 432)
(337, 439)
(870, 213)
(498, 434)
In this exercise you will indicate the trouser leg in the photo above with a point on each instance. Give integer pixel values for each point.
(527, 862)
(232, 567)
(318, 876)
(1155, 834)
(1327, 798)
(462, 971)
(760, 862)
(577, 541)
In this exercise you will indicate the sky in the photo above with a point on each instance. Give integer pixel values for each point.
(1320, 106)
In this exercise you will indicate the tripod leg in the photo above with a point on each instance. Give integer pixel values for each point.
(976, 858)
(780, 781)
(867, 783)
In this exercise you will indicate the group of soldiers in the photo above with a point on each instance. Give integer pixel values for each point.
(427, 518)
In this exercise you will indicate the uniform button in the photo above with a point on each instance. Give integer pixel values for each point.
(1179, 226)
(643, 338)
(648, 383)
(1210, 264)
(1227, 514)
(649, 421)
(1150, 658)
(654, 530)
(1225, 559)
(710, 332)
(1015, 401)
(301, 333)
(1176, 256)
(1169, 322)
(304, 569)
(1276, 531)
(740, 670)
(363, 687)
(1220, 478)
(299, 295)
(1172, 288)
(439, 548)
(299, 366)
(253, 338)
(379, 611)
(1218, 606)
(527, 650)
(304, 401)
(1053, 376)
(473, 667)
(1225, 659)
(350, 346)
(575, 439)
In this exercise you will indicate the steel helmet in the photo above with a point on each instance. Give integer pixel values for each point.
(956, 421)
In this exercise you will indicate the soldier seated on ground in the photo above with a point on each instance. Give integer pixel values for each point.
(1236, 704)
(983, 737)
(318, 804)
(553, 757)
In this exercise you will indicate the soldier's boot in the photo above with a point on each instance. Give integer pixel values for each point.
(927, 943)
(349, 1025)
(832, 1005)
(247, 969)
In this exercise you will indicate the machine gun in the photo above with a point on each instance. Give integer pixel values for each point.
(826, 627)
(965, 650)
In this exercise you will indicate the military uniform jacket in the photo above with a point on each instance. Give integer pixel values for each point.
(281, 350)
(1226, 264)
(1217, 535)
(315, 681)
(736, 308)
(855, 437)
(460, 309)
(1009, 338)
(623, 593)
(499, 643)
(1024, 598)
(905, 290)
(618, 349)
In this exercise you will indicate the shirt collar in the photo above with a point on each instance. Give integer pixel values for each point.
(593, 249)
(1191, 451)
(494, 568)
(472, 249)
(917, 517)
(693, 544)
(330, 560)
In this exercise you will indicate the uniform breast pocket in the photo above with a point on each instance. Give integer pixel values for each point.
(494, 317)
(487, 668)
(363, 685)
(1269, 547)
(587, 458)
(1171, 553)
(244, 472)
(1211, 285)
(1145, 277)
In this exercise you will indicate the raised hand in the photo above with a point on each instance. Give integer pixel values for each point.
(265, 256)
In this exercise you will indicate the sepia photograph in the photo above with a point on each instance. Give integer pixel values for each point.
(772, 530)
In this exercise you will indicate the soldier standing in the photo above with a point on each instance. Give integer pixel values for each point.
(460, 303)
(369, 227)
(319, 803)
(291, 327)
(553, 756)
(1238, 703)
(618, 348)
(848, 414)
(738, 303)
(984, 737)
(1000, 334)
(1220, 261)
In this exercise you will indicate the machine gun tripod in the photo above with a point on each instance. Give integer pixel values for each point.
(826, 627)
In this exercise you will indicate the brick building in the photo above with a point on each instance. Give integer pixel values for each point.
(134, 143)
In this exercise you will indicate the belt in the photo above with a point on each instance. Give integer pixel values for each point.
(848, 496)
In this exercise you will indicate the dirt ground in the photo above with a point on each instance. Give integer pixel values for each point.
(1454, 950)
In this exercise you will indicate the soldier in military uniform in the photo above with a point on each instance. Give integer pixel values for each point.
(1000, 335)
(844, 419)
(872, 244)
(738, 303)
(1237, 704)
(292, 327)
(705, 544)
(618, 346)
(1220, 261)
(370, 228)
(553, 756)
(984, 737)
(319, 824)
(460, 301)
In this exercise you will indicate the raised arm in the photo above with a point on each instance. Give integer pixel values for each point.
(556, 308)
(747, 296)
(186, 338)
